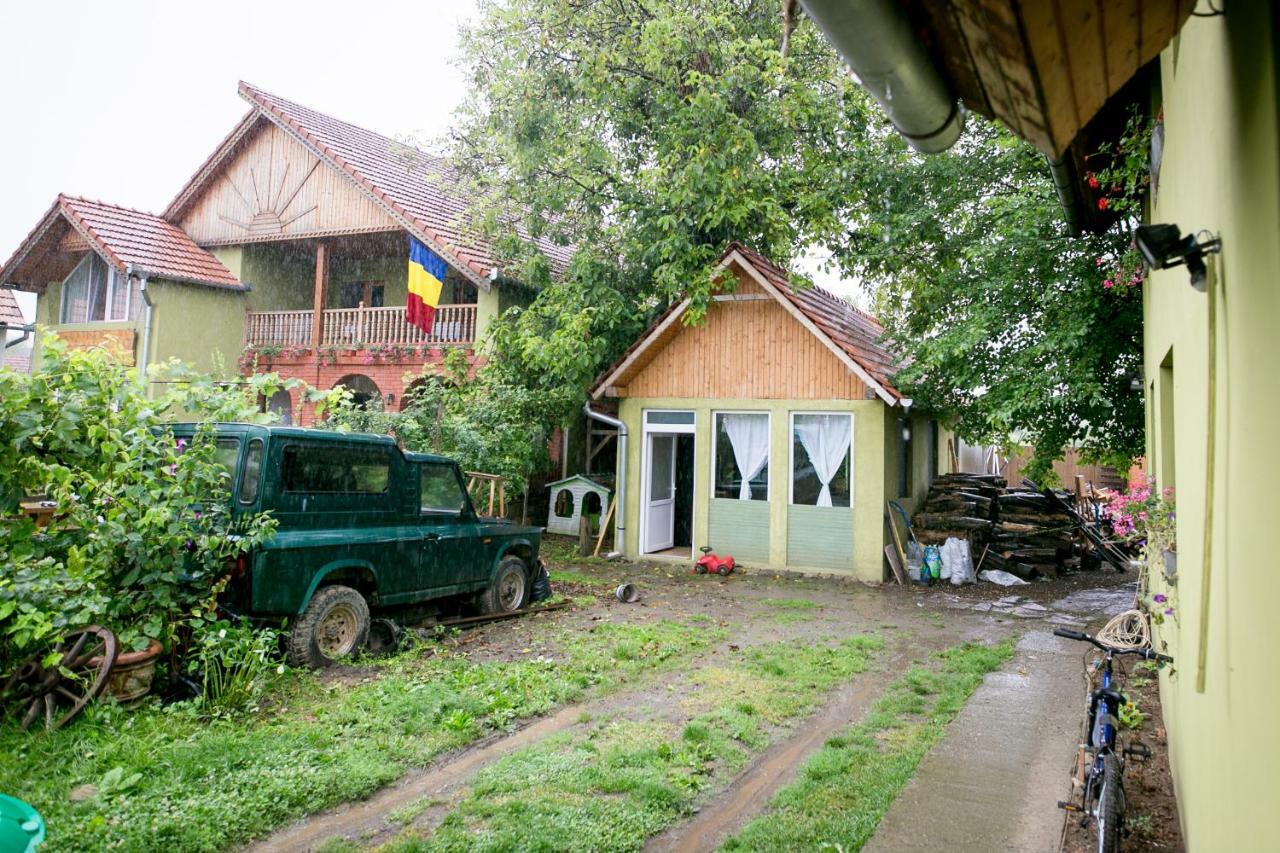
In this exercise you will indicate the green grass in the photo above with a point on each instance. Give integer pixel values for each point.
(847, 786)
(612, 784)
(789, 604)
(208, 785)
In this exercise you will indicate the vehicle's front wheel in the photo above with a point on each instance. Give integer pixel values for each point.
(509, 590)
(334, 625)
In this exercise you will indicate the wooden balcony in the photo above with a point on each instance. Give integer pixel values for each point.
(357, 327)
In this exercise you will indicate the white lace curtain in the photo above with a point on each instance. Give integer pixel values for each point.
(749, 437)
(826, 439)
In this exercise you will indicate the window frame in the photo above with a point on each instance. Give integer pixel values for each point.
(791, 452)
(114, 281)
(715, 450)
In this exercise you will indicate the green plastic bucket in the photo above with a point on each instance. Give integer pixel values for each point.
(21, 827)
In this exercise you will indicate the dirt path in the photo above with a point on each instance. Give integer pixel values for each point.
(754, 609)
(748, 794)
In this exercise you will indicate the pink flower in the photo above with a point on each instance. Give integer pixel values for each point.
(1108, 284)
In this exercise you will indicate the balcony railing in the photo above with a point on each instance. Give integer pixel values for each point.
(454, 324)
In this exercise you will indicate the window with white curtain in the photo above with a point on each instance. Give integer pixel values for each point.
(742, 455)
(821, 459)
(95, 291)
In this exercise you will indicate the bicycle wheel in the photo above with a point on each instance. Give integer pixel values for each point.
(1110, 814)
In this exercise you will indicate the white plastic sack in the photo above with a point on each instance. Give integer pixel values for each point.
(957, 561)
(1003, 578)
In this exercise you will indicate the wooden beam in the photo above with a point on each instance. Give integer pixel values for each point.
(317, 314)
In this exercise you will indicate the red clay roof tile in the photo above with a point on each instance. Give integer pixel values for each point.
(125, 237)
(10, 313)
(419, 187)
(147, 242)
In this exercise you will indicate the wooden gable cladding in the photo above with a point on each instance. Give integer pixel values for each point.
(273, 188)
(747, 348)
(1045, 68)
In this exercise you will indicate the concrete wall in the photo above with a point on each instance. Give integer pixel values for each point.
(1220, 172)
(864, 517)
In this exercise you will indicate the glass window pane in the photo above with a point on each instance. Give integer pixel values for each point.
(328, 470)
(441, 491)
(662, 468)
(252, 472)
(669, 417)
(119, 297)
(821, 451)
(742, 439)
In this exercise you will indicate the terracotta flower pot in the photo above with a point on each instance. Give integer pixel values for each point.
(131, 678)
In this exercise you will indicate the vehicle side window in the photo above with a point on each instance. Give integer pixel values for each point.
(335, 470)
(252, 472)
(441, 491)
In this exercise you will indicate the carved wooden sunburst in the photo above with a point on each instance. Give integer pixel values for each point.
(268, 212)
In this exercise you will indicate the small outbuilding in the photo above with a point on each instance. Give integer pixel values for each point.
(570, 499)
(772, 431)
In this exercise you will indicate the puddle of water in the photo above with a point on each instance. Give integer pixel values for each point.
(1102, 602)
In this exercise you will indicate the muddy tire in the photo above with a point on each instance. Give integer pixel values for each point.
(334, 625)
(509, 590)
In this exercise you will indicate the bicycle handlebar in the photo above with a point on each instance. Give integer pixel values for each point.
(1146, 653)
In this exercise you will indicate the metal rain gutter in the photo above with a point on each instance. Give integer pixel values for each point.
(619, 514)
(1063, 172)
(144, 277)
(878, 42)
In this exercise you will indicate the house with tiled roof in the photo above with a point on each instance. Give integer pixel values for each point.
(286, 250)
(772, 432)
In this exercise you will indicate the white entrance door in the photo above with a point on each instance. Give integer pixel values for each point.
(660, 509)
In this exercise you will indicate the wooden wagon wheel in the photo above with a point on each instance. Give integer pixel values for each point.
(89, 653)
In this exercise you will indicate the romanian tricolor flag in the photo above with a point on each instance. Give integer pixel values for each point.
(426, 278)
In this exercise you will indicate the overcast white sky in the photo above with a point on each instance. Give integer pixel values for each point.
(123, 100)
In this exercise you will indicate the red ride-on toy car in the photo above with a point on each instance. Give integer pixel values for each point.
(711, 564)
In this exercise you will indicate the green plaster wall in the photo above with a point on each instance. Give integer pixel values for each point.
(282, 275)
(1221, 172)
(864, 523)
(203, 326)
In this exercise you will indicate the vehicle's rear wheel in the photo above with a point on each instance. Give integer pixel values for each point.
(334, 625)
(509, 590)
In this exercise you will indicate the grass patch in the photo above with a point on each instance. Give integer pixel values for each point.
(623, 780)
(844, 790)
(789, 604)
(208, 785)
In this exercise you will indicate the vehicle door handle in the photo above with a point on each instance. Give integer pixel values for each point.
(430, 537)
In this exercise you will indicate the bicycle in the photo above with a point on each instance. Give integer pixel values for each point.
(1103, 796)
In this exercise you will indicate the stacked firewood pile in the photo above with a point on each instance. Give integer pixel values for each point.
(1021, 531)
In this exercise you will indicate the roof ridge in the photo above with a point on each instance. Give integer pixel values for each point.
(258, 90)
(112, 206)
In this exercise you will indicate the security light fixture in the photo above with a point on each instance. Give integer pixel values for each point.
(1162, 247)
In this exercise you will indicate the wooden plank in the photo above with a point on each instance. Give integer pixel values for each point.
(317, 315)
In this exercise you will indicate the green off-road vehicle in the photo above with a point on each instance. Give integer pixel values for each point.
(363, 527)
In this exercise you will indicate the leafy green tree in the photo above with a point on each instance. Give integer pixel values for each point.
(648, 135)
(1014, 327)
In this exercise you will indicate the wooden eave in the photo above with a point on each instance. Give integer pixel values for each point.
(1044, 68)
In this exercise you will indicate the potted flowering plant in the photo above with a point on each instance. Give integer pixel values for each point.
(1146, 517)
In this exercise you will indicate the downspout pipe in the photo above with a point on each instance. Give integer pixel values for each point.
(877, 40)
(146, 320)
(1064, 183)
(619, 514)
